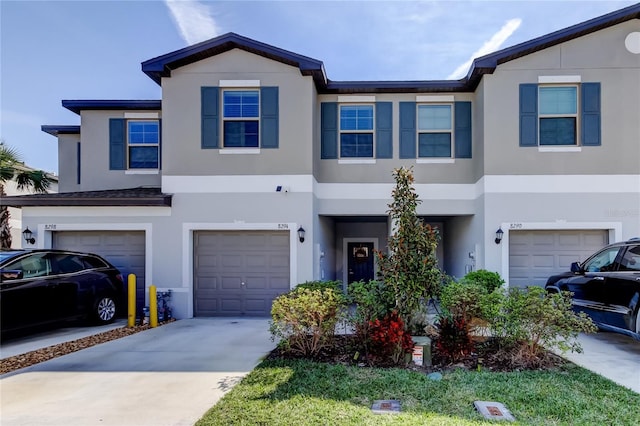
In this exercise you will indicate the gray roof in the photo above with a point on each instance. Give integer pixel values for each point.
(142, 196)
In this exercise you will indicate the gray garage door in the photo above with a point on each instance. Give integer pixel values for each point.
(239, 272)
(124, 249)
(536, 255)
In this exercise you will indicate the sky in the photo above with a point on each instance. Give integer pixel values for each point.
(55, 50)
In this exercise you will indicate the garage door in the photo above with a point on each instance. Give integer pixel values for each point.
(239, 272)
(124, 249)
(536, 255)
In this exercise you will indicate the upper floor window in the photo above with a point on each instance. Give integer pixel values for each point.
(558, 115)
(143, 139)
(356, 131)
(241, 115)
(435, 130)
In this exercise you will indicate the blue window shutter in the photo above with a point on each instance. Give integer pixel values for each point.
(210, 112)
(160, 144)
(117, 144)
(591, 114)
(528, 115)
(269, 117)
(384, 130)
(78, 159)
(407, 130)
(329, 125)
(463, 129)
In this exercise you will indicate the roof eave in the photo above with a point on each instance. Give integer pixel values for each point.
(25, 201)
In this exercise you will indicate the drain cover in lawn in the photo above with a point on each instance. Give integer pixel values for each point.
(493, 410)
(386, 406)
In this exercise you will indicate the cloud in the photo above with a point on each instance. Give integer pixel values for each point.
(490, 46)
(193, 19)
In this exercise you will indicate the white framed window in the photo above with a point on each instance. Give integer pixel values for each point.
(241, 118)
(143, 140)
(356, 131)
(558, 115)
(435, 130)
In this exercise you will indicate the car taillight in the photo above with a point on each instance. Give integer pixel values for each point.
(119, 277)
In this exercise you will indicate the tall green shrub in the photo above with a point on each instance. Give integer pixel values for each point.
(487, 279)
(410, 268)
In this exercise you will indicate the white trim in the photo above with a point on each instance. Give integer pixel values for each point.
(345, 258)
(552, 184)
(559, 149)
(614, 228)
(382, 191)
(435, 98)
(239, 151)
(141, 172)
(47, 230)
(355, 99)
(141, 115)
(236, 184)
(239, 83)
(357, 161)
(188, 230)
(435, 161)
(559, 79)
(541, 184)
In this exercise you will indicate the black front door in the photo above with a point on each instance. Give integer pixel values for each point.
(360, 262)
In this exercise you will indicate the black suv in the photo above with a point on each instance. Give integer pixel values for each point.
(45, 286)
(606, 287)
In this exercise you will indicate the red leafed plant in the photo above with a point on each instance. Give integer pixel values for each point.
(389, 339)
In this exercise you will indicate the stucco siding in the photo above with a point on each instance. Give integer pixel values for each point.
(618, 72)
(94, 160)
(68, 163)
(182, 150)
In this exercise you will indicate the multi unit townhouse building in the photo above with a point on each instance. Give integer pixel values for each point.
(256, 172)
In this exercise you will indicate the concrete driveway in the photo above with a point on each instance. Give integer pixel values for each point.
(612, 355)
(170, 375)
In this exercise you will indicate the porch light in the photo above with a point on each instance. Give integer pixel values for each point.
(301, 232)
(28, 236)
(499, 234)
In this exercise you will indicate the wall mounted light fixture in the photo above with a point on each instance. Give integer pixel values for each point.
(499, 234)
(301, 233)
(28, 236)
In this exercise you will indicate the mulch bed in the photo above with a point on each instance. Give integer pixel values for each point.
(17, 362)
(488, 356)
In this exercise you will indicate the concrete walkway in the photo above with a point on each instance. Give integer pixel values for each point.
(170, 375)
(612, 355)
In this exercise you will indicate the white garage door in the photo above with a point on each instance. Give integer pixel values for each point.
(536, 255)
(239, 272)
(124, 249)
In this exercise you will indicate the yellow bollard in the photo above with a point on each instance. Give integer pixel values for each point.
(153, 306)
(131, 300)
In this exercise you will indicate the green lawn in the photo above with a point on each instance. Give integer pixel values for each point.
(296, 392)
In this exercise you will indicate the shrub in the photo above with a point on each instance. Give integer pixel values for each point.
(389, 340)
(321, 285)
(532, 320)
(453, 342)
(463, 299)
(487, 279)
(372, 301)
(304, 319)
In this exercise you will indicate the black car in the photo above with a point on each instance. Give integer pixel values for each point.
(45, 286)
(606, 287)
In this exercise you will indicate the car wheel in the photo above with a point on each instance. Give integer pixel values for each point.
(104, 310)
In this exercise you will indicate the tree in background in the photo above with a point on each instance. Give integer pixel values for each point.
(410, 268)
(12, 168)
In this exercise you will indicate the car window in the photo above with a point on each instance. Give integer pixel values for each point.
(603, 261)
(69, 263)
(93, 262)
(631, 259)
(36, 265)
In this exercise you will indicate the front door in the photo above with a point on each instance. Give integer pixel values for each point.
(360, 262)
